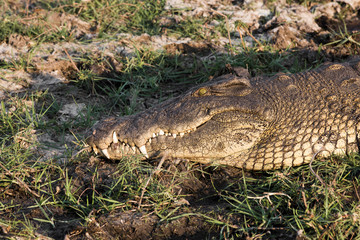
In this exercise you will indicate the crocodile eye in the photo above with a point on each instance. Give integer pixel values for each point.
(202, 91)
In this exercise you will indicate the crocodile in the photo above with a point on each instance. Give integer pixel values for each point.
(254, 123)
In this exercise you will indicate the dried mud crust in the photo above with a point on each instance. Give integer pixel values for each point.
(189, 221)
(134, 225)
(294, 28)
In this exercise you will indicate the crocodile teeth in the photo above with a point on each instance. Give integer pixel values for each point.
(96, 151)
(143, 151)
(106, 153)
(134, 149)
(115, 139)
(174, 135)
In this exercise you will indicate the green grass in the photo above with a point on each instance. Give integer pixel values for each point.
(148, 72)
(114, 16)
(107, 18)
(75, 188)
(296, 199)
(342, 37)
(13, 24)
(10, 27)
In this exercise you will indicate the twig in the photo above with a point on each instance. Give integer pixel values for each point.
(19, 181)
(241, 38)
(156, 170)
(27, 7)
(268, 194)
(45, 32)
(243, 26)
(356, 191)
(72, 62)
(227, 27)
(85, 149)
(312, 170)
(257, 41)
(304, 195)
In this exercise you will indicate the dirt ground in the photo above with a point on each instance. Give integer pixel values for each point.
(294, 28)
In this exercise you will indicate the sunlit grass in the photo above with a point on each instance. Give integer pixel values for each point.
(38, 192)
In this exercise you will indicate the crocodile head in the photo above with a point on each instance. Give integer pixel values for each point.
(222, 118)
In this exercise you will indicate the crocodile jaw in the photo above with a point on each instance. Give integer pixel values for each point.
(197, 143)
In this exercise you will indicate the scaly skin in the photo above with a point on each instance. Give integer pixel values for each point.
(257, 124)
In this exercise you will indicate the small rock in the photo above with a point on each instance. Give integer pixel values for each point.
(71, 110)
